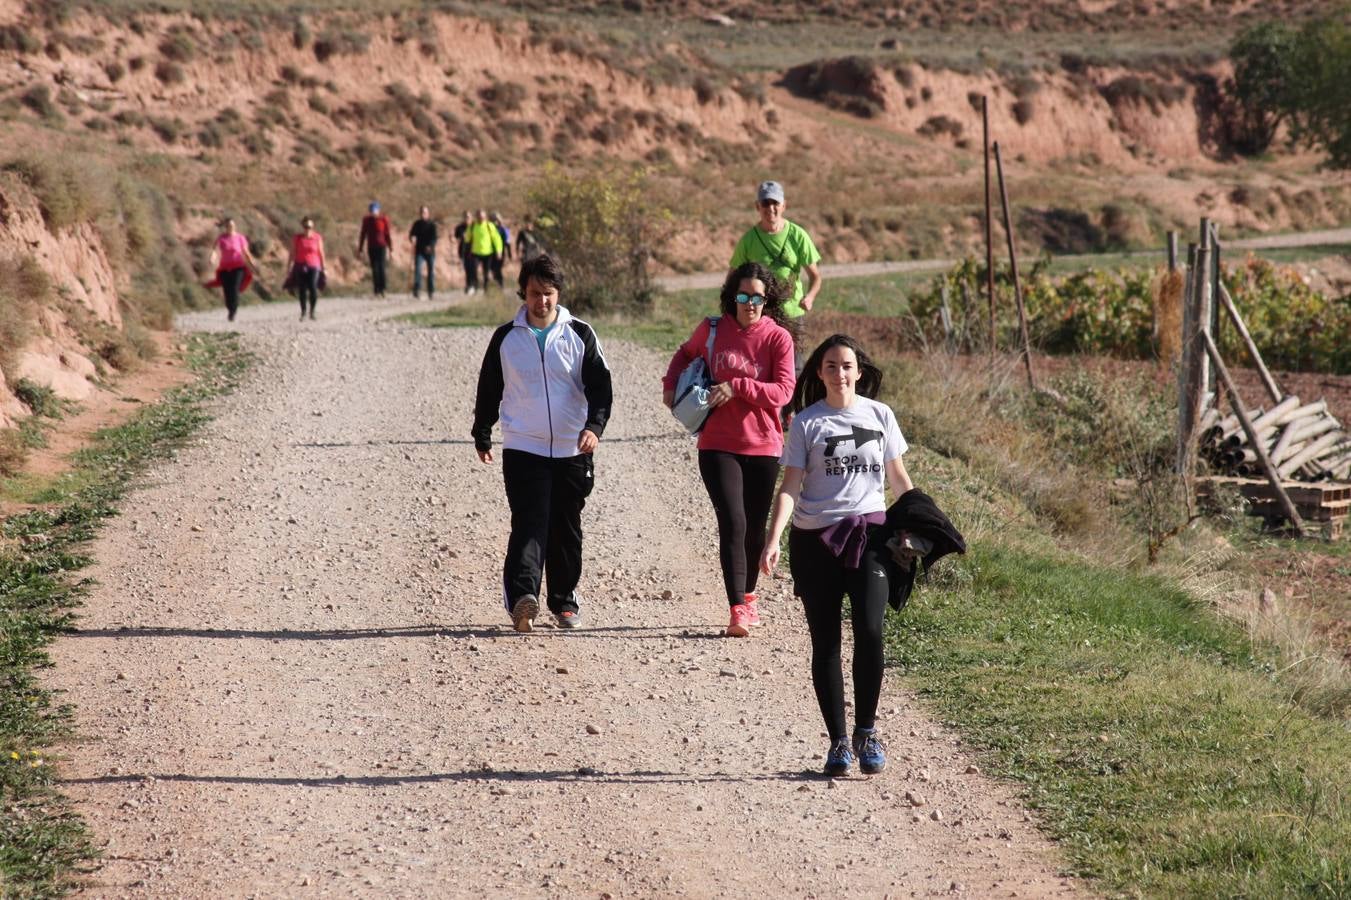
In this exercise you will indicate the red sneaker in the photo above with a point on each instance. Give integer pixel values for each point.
(754, 607)
(740, 624)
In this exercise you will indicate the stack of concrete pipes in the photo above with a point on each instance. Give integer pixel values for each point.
(1304, 441)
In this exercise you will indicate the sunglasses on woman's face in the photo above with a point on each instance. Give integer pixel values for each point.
(752, 299)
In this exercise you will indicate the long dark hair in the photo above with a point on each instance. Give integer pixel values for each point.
(777, 292)
(810, 388)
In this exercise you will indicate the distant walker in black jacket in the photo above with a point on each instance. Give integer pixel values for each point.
(545, 377)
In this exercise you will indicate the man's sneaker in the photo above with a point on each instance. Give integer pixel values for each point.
(754, 608)
(872, 758)
(568, 618)
(523, 613)
(839, 759)
(740, 623)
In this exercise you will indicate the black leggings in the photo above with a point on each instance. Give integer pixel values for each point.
(741, 488)
(307, 287)
(230, 281)
(821, 580)
(470, 263)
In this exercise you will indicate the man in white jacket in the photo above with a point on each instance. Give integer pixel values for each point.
(545, 377)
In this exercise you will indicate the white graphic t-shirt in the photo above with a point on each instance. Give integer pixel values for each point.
(844, 453)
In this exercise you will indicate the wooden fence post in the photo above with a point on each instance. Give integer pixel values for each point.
(1013, 269)
(1187, 415)
(989, 227)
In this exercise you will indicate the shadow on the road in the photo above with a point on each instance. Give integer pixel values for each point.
(686, 632)
(338, 445)
(588, 775)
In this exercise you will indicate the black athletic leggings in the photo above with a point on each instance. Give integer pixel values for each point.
(307, 287)
(821, 580)
(230, 281)
(741, 488)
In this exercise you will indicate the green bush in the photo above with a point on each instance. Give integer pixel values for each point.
(1293, 325)
(40, 399)
(1112, 313)
(603, 229)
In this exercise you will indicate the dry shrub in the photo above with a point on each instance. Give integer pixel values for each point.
(65, 194)
(39, 99)
(24, 286)
(940, 125)
(13, 452)
(503, 96)
(1213, 570)
(340, 43)
(18, 39)
(170, 72)
(989, 437)
(1168, 317)
(178, 47)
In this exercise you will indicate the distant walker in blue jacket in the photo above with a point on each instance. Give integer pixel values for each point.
(545, 377)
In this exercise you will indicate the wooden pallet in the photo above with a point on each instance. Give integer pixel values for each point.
(1322, 505)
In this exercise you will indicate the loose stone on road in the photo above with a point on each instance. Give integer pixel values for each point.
(296, 678)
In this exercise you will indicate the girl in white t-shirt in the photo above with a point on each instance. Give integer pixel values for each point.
(843, 450)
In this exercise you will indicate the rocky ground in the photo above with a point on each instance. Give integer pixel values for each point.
(295, 677)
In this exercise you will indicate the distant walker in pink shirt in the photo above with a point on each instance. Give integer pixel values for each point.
(235, 267)
(739, 447)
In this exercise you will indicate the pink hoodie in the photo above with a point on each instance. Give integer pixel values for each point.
(758, 363)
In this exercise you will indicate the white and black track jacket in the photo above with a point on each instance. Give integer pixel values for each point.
(546, 396)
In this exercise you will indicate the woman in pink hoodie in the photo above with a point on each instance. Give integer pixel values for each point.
(740, 444)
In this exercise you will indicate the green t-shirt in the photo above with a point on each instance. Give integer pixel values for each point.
(785, 254)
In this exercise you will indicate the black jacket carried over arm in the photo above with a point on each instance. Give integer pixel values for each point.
(916, 512)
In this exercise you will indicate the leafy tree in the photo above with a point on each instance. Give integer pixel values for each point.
(603, 228)
(1263, 58)
(1297, 76)
(1322, 81)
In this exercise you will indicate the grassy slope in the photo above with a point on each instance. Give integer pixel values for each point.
(42, 840)
(1160, 743)
(1152, 737)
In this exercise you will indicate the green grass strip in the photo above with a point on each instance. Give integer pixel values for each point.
(43, 841)
(1151, 736)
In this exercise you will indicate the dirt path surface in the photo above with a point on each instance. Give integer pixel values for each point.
(296, 679)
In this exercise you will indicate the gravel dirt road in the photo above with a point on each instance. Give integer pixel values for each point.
(295, 677)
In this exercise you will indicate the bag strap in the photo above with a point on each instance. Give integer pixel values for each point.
(778, 257)
(708, 348)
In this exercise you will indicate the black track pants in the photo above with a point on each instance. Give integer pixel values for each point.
(546, 497)
(821, 580)
(378, 257)
(742, 489)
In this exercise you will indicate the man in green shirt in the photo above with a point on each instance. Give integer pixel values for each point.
(783, 247)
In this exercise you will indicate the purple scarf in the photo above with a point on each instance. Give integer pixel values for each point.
(847, 538)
